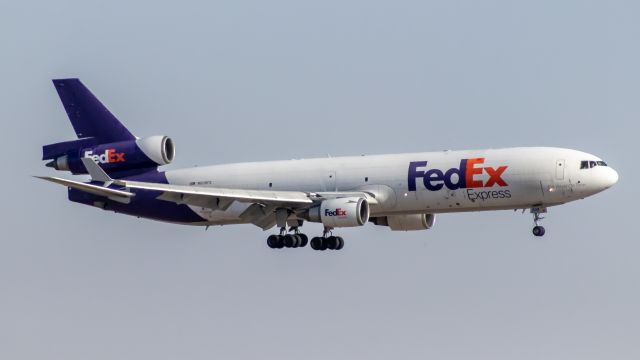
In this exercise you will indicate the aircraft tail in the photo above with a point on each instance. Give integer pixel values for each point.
(102, 137)
(87, 114)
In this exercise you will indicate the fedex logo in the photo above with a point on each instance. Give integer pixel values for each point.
(109, 156)
(336, 212)
(466, 176)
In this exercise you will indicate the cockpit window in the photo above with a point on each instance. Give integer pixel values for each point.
(588, 164)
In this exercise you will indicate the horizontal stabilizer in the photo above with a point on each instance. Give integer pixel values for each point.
(96, 172)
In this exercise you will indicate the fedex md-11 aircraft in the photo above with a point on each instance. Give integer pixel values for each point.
(402, 192)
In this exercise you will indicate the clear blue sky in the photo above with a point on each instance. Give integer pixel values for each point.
(255, 80)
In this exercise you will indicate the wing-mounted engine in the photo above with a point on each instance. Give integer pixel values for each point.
(143, 153)
(341, 212)
(406, 222)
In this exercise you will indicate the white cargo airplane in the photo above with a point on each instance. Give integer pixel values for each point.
(402, 192)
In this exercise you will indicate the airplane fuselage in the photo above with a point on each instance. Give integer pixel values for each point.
(431, 182)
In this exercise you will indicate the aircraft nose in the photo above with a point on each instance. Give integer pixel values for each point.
(610, 178)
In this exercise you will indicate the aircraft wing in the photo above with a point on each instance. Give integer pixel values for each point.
(221, 198)
(260, 213)
(113, 194)
(264, 203)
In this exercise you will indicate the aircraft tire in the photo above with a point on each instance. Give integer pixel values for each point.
(340, 241)
(304, 240)
(323, 243)
(272, 241)
(538, 230)
(316, 243)
(297, 240)
(289, 241)
(331, 242)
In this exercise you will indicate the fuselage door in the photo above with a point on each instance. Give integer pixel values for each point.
(560, 169)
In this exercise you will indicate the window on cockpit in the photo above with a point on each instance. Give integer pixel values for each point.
(587, 164)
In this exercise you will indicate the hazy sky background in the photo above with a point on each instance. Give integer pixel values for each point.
(263, 80)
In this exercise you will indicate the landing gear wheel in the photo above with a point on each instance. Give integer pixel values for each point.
(303, 240)
(319, 243)
(289, 241)
(272, 241)
(538, 215)
(331, 242)
(275, 242)
(340, 241)
(538, 230)
(298, 241)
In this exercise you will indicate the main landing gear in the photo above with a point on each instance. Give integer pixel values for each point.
(327, 242)
(295, 240)
(538, 215)
(298, 239)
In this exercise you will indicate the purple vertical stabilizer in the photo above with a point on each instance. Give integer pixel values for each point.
(87, 114)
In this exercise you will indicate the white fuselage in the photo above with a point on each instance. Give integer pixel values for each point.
(511, 178)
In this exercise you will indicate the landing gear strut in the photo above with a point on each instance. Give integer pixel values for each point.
(327, 241)
(538, 215)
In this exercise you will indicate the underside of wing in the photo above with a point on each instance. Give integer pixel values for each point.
(220, 198)
(263, 208)
(262, 204)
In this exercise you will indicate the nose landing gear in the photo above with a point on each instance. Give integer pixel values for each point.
(538, 230)
(538, 215)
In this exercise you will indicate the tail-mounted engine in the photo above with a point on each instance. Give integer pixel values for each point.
(143, 153)
(341, 212)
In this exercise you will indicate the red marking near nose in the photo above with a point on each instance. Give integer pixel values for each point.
(494, 176)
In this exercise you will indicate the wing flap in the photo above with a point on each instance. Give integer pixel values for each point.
(210, 202)
(260, 216)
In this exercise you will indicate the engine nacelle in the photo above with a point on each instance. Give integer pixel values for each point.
(341, 212)
(406, 222)
(158, 148)
(118, 156)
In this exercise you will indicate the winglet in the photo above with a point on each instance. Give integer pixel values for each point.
(96, 172)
